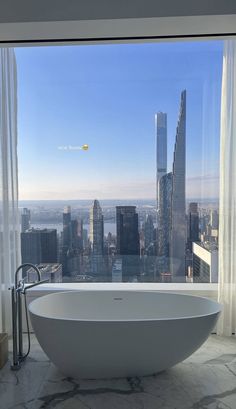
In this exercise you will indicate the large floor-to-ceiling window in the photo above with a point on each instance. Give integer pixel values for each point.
(118, 149)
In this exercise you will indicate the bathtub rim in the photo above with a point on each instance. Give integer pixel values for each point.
(218, 306)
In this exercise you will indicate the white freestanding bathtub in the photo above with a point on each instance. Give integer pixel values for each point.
(99, 334)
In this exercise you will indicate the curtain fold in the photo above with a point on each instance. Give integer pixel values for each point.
(227, 207)
(9, 218)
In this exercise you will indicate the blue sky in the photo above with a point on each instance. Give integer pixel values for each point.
(106, 96)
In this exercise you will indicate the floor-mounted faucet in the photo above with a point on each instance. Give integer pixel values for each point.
(17, 290)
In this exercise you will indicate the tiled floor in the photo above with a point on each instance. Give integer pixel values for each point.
(206, 380)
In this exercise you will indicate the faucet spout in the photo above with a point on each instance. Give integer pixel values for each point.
(21, 267)
(35, 284)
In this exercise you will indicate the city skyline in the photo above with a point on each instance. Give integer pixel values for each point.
(131, 83)
(130, 253)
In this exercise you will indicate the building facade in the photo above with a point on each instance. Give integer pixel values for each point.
(128, 246)
(205, 263)
(39, 246)
(193, 224)
(178, 218)
(164, 230)
(161, 147)
(96, 237)
(25, 220)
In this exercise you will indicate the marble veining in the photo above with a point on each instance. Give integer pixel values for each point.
(206, 380)
(222, 359)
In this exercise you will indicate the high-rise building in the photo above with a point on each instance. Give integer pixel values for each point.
(39, 246)
(165, 189)
(205, 263)
(96, 236)
(161, 150)
(178, 218)
(193, 224)
(25, 219)
(161, 165)
(148, 232)
(66, 247)
(77, 235)
(72, 245)
(127, 230)
(67, 235)
(214, 219)
(128, 241)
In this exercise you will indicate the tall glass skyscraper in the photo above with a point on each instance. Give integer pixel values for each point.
(178, 218)
(161, 149)
(165, 187)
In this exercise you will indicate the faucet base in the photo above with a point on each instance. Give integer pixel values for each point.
(16, 367)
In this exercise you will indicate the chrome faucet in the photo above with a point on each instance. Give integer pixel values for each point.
(17, 334)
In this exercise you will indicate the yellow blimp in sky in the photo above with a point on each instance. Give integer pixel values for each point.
(85, 147)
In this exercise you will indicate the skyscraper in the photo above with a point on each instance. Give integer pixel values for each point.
(67, 234)
(148, 232)
(214, 219)
(165, 189)
(178, 220)
(39, 246)
(97, 237)
(193, 224)
(128, 240)
(161, 148)
(66, 241)
(25, 219)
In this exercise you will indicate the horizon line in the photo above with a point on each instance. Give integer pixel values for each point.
(140, 198)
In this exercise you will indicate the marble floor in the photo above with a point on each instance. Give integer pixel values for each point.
(206, 380)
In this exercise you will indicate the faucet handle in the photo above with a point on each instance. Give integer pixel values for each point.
(21, 285)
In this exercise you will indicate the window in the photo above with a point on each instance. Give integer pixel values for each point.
(119, 161)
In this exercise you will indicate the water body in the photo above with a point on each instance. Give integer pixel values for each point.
(108, 227)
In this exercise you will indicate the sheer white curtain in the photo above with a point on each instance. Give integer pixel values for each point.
(9, 226)
(227, 227)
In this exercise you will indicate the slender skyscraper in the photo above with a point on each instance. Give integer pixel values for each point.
(165, 188)
(178, 219)
(96, 236)
(25, 220)
(161, 149)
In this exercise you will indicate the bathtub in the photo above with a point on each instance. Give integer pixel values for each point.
(100, 334)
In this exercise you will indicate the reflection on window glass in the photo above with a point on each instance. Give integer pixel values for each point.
(119, 161)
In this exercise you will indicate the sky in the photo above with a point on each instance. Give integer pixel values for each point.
(106, 96)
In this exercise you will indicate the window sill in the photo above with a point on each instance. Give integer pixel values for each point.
(207, 289)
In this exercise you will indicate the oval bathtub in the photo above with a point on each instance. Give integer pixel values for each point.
(99, 334)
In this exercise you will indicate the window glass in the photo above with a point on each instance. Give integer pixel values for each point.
(118, 149)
